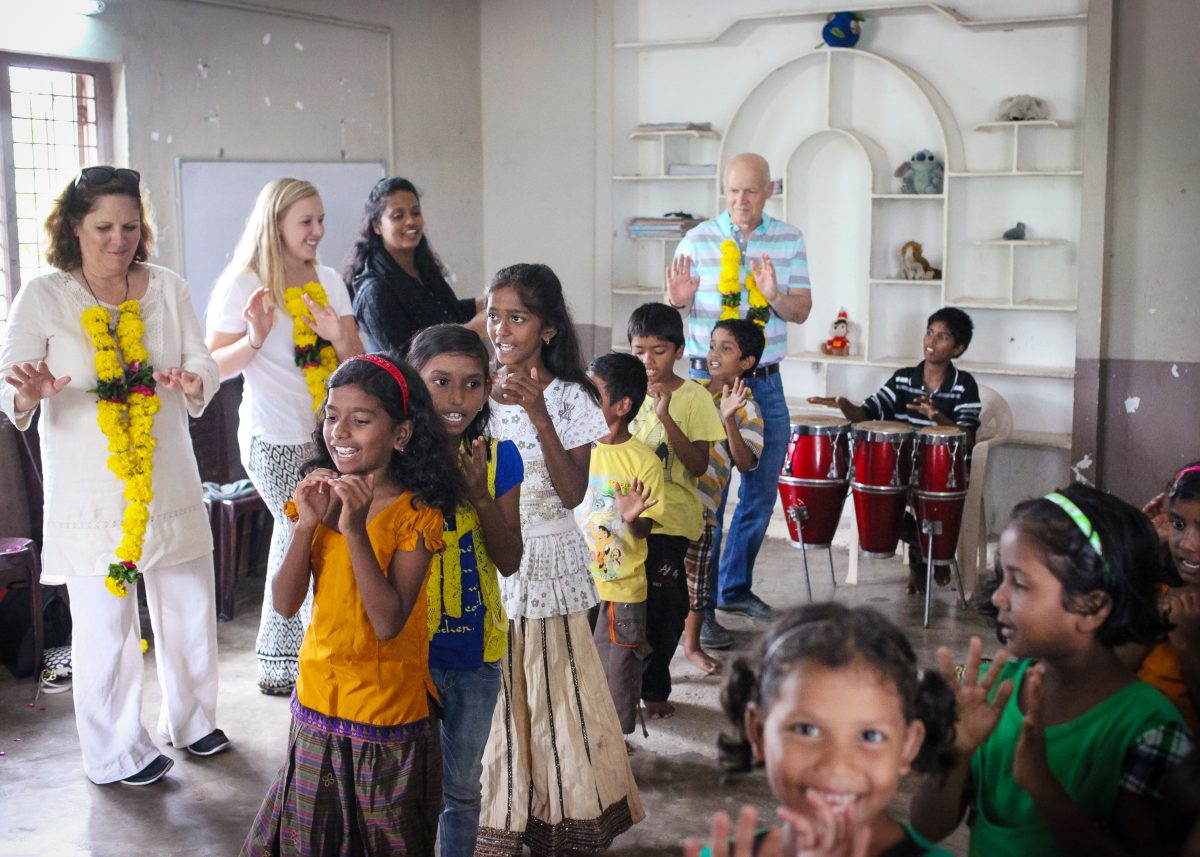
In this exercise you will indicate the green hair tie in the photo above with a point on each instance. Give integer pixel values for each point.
(1080, 519)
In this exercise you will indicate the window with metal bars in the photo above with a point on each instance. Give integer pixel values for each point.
(54, 119)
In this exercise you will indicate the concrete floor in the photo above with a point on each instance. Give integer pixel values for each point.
(205, 806)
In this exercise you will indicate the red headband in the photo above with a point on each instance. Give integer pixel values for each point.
(389, 367)
(1195, 469)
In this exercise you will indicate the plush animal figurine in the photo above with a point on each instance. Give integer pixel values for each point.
(1022, 108)
(842, 29)
(915, 265)
(839, 345)
(1017, 233)
(922, 173)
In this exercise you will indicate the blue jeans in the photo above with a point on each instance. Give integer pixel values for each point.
(756, 498)
(468, 700)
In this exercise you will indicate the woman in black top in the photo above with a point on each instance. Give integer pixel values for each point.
(396, 281)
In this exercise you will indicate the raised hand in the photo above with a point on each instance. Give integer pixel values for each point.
(1031, 771)
(34, 382)
(1183, 610)
(823, 833)
(924, 406)
(976, 716)
(733, 398)
(1156, 511)
(188, 383)
(662, 401)
(682, 284)
(259, 314)
(473, 462)
(356, 493)
(828, 401)
(515, 388)
(633, 499)
(312, 497)
(323, 320)
(765, 277)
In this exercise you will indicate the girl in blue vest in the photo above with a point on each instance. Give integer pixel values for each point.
(467, 623)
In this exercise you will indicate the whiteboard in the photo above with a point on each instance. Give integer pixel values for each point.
(216, 197)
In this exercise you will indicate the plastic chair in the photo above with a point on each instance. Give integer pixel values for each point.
(995, 428)
(20, 557)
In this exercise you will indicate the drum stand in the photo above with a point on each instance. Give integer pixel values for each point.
(931, 529)
(799, 514)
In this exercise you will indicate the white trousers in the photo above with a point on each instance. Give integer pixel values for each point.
(106, 659)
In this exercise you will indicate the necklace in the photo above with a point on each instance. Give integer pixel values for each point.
(92, 291)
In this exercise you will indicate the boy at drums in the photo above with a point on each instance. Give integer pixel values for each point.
(933, 393)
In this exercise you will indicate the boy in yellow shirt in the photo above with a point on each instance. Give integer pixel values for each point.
(678, 421)
(625, 484)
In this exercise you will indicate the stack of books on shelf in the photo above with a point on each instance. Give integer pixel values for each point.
(691, 169)
(660, 227)
(675, 126)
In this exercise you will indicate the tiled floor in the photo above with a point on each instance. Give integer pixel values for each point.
(205, 806)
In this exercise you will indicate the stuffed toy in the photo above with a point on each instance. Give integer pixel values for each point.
(922, 173)
(839, 345)
(1017, 233)
(1022, 108)
(842, 29)
(916, 266)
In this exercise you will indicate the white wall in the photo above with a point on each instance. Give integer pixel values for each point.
(195, 76)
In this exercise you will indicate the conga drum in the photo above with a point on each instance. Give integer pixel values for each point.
(881, 451)
(814, 479)
(940, 488)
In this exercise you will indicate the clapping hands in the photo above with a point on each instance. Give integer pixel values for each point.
(733, 397)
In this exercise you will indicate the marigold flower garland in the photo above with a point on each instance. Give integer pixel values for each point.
(315, 356)
(730, 287)
(127, 403)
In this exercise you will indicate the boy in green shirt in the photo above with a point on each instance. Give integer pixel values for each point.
(679, 422)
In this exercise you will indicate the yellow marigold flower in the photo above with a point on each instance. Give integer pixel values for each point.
(133, 308)
(116, 587)
(145, 646)
(108, 366)
(137, 514)
(329, 358)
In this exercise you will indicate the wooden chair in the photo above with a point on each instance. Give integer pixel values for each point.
(20, 557)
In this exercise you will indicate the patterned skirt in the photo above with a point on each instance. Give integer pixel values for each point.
(556, 773)
(351, 789)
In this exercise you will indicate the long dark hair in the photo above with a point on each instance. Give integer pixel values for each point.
(429, 266)
(423, 468)
(833, 635)
(454, 339)
(1125, 571)
(541, 292)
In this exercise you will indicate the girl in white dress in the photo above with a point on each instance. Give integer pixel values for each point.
(556, 773)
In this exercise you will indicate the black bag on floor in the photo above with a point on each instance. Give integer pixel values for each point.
(16, 627)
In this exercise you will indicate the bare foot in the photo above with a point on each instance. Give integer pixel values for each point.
(703, 661)
(659, 710)
(941, 575)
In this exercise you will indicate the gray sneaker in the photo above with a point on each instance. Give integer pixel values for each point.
(714, 635)
(751, 606)
(152, 773)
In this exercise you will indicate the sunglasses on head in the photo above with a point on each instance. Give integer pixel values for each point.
(95, 176)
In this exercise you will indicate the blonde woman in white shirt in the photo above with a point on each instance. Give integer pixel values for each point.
(256, 322)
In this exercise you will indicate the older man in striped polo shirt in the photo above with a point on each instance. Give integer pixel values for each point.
(774, 250)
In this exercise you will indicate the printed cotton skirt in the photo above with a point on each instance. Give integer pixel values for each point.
(556, 774)
(351, 789)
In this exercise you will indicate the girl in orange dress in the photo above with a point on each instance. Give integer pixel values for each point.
(363, 772)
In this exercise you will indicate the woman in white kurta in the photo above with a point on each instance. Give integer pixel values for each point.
(251, 332)
(99, 238)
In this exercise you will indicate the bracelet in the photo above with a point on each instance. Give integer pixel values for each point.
(250, 342)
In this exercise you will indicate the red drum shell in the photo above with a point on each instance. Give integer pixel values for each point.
(883, 454)
(819, 449)
(823, 502)
(882, 469)
(941, 459)
(945, 508)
